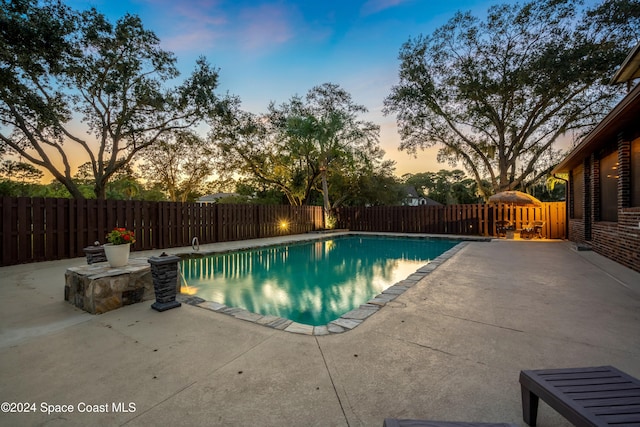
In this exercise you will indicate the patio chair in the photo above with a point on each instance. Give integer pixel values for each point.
(528, 231)
(502, 227)
(593, 396)
(537, 228)
(532, 229)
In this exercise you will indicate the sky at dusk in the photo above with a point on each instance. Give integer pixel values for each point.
(271, 50)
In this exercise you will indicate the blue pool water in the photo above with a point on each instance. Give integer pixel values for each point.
(312, 282)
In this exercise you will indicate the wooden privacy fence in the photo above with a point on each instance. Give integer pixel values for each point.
(479, 219)
(38, 229)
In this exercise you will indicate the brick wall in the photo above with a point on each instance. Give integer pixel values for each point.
(624, 172)
(576, 231)
(619, 241)
(594, 189)
(571, 196)
(586, 201)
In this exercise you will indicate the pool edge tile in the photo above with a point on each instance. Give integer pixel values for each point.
(346, 322)
(299, 328)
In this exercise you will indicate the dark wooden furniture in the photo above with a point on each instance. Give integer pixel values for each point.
(594, 396)
(393, 422)
(537, 228)
(532, 230)
(502, 227)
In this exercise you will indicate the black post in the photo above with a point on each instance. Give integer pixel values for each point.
(164, 271)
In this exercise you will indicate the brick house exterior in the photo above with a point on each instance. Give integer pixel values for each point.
(603, 195)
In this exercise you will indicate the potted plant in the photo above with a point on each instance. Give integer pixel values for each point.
(117, 250)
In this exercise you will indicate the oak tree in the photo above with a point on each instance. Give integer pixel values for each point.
(328, 124)
(75, 86)
(303, 146)
(181, 164)
(497, 94)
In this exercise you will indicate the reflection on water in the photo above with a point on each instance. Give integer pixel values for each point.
(311, 283)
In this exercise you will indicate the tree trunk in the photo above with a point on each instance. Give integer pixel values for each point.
(100, 189)
(67, 182)
(72, 188)
(100, 192)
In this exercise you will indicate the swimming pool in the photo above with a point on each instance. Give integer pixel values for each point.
(311, 283)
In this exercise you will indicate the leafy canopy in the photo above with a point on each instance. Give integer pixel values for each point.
(449, 187)
(58, 66)
(180, 164)
(304, 146)
(497, 95)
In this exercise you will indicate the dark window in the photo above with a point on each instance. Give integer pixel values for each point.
(635, 172)
(609, 187)
(577, 192)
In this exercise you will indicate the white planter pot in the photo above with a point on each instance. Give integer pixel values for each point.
(117, 255)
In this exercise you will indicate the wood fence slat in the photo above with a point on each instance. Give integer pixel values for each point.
(38, 229)
(9, 231)
(23, 230)
(80, 217)
(71, 212)
(97, 221)
(172, 234)
(60, 228)
(5, 229)
(136, 222)
(207, 236)
(196, 225)
(161, 228)
(145, 227)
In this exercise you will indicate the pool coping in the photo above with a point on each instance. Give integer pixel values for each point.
(347, 321)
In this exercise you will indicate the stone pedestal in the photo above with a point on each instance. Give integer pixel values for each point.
(98, 288)
(164, 270)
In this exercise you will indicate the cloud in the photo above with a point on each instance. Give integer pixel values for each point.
(374, 6)
(264, 26)
(202, 13)
(249, 27)
(193, 40)
(190, 25)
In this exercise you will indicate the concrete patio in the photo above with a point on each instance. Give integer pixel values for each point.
(450, 348)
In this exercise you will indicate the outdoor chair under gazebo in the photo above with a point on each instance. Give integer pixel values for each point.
(502, 227)
(532, 230)
(508, 226)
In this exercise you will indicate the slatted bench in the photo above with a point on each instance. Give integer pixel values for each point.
(595, 396)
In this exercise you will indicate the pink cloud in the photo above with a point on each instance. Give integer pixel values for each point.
(204, 12)
(264, 26)
(193, 25)
(189, 25)
(374, 6)
(193, 40)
